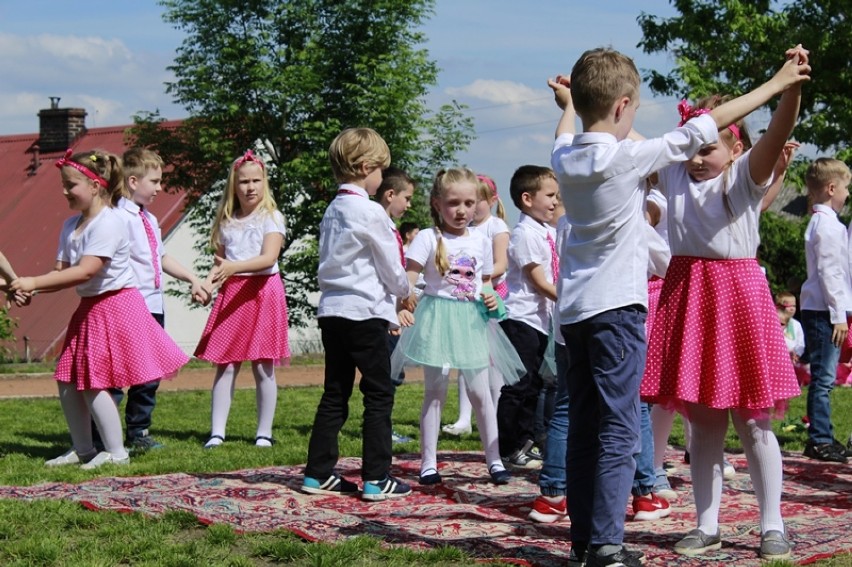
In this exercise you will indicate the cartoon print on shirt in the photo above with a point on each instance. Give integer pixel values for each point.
(462, 274)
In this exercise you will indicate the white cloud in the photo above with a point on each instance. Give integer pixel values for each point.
(497, 92)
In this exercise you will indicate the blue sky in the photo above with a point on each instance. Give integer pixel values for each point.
(110, 57)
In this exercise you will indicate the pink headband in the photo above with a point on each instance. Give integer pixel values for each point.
(688, 112)
(490, 182)
(65, 161)
(248, 157)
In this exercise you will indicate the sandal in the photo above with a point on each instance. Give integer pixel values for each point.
(263, 441)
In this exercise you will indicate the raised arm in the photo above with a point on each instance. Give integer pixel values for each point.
(561, 86)
(794, 72)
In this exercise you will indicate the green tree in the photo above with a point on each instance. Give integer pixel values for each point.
(782, 251)
(284, 78)
(732, 46)
(7, 333)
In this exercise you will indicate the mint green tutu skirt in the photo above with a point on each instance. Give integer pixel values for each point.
(455, 334)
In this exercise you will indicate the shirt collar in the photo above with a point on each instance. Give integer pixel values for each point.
(129, 205)
(825, 209)
(594, 138)
(354, 188)
(539, 227)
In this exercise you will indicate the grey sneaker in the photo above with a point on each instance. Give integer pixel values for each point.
(774, 545)
(143, 443)
(70, 457)
(697, 542)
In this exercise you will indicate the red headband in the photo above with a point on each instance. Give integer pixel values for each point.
(248, 157)
(490, 182)
(688, 112)
(65, 161)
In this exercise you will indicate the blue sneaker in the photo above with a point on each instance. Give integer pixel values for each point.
(400, 438)
(335, 485)
(388, 487)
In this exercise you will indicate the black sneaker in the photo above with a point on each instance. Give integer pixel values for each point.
(143, 444)
(335, 485)
(828, 452)
(388, 487)
(621, 558)
(843, 449)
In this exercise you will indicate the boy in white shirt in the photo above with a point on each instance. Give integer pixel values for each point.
(360, 273)
(532, 290)
(604, 294)
(826, 297)
(143, 174)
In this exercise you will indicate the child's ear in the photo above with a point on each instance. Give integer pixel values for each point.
(526, 199)
(738, 149)
(132, 182)
(620, 105)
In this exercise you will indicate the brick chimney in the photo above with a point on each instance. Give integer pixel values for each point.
(59, 127)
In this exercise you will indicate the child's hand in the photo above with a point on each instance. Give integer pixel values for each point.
(25, 285)
(795, 70)
(489, 300)
(785, 158)
(222, 269)
(409, 303)
(838, 336)
(561, 86)
(406, 318)
(200, 293)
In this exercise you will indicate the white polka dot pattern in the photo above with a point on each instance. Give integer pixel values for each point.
(113, 342)
(248, 322)
(716, 340)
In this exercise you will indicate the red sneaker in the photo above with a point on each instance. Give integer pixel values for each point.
(545, 512)
(650, 507)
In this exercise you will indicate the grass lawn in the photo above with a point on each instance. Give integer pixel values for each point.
(53, 533)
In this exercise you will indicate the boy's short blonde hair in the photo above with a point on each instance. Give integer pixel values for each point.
(139, 161)
(599, 78)
(354, 147)
(823, 171)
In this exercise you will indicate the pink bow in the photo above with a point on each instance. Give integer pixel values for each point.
(248, 157)
(65, 161)
(689, 112)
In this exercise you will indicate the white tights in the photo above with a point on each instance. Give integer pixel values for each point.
(223, 394)
(479, 393)
(662, 420)
(80, 407)
(709, 427)
(465, 407)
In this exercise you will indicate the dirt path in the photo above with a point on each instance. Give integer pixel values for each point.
(43, 385)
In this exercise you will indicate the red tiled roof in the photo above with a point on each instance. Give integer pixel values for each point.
(32, 212)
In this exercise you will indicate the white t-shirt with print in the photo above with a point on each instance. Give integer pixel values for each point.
(469, 256)
(243, 238)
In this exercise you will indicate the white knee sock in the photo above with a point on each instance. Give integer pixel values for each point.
(661, 426)
(465, 406)
(496, 385)
(434, 395)
(223, 393)
(267, 395)
(78, 418)
(706, 454)
(764, 467)
(107, 420)
(479, 392)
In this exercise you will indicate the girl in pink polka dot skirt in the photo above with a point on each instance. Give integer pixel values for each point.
(716, 349)
(249, 316)
(112, 341)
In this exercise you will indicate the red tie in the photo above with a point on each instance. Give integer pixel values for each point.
(401, 249)
(152, 242)
(554, 258)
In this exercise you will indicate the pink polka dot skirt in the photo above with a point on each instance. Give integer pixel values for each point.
(716, 340)
(248, 322)
(113, 342)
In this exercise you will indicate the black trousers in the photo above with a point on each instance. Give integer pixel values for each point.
(517, 405)
(349, 345)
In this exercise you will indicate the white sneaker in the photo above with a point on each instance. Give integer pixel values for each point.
(68, 458)
(104, 458)
(457, 429)
(728, 470)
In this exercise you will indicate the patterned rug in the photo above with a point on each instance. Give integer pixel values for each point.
(467, 512)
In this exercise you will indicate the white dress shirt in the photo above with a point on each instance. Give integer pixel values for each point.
(604, 261)
(528, 245)
(360, 268)
(141, 259)
(826, 253)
